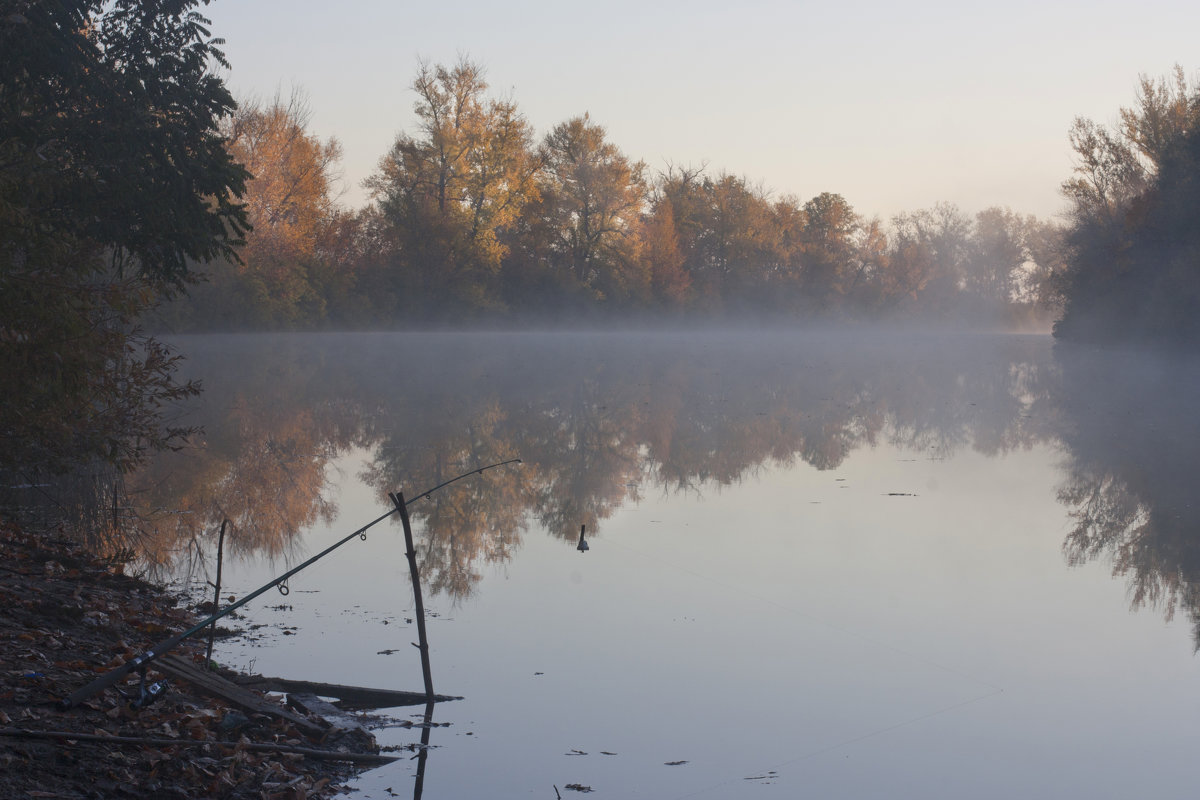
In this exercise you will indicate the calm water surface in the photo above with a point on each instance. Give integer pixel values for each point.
(821, 565)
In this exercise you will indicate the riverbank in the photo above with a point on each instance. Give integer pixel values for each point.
(69, 617)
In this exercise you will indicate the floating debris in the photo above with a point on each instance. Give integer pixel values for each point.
(674, 763)
(769, 777)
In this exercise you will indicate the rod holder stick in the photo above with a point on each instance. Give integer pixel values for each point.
(212, 631)
(411, 552)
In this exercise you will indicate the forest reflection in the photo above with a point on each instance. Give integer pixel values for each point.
(604, 420)
(1131, 430)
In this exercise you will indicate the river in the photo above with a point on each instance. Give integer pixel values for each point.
(826, 564)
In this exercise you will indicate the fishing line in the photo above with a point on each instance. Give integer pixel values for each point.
(141, 661)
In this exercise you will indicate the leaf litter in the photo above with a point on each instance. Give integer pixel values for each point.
(70, 616)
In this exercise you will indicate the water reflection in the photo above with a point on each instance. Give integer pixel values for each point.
(605, 420)
(598, 420)
(423, 751)
(261, 463)
(1131, 429)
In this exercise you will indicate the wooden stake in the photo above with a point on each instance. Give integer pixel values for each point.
(398, 500)
(216, 595)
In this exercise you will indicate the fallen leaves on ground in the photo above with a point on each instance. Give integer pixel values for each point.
(69, 617)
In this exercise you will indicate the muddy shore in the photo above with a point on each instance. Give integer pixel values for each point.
(69, 617)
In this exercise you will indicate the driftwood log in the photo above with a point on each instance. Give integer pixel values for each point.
(350, 698)
(213, 685)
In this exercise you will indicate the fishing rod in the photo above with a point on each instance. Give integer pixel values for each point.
(162, 648)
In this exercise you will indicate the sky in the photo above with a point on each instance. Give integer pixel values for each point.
(895, 106)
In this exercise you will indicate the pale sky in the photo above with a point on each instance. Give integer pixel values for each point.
(895, 106)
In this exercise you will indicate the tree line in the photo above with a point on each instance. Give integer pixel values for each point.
(135, 192)
(473, 217)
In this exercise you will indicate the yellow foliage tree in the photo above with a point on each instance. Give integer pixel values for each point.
(595, 199)
(290, 203)
(446, 196)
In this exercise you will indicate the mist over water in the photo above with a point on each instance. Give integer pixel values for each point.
(598, 412)
(821, 561)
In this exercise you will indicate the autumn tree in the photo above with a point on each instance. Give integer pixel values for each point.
(870, 262)
(997, 254)
(830, 226)
(594, 201)
(679, 191)
(744, 245)
(290, 202)
(279, 278)
(740, 248)
(788, 221)
(932, 247)
(909, 270)
(115, 181)
(446, 196)
(670, 284)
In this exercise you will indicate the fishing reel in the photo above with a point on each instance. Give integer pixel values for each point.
(146, 694)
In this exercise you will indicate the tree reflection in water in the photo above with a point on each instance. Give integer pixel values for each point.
(602, 420)
(1130, 426)
(262, 461)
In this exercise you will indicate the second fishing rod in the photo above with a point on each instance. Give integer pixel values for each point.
(141, 661)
